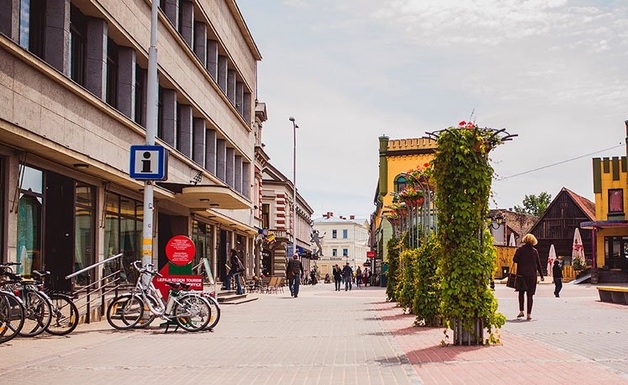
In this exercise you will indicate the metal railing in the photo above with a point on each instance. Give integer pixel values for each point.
(92, 294)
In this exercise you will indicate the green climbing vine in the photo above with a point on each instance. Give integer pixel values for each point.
(463, 175)
(427, 292)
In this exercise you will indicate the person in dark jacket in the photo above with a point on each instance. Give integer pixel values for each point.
(557, 274)
(337, 277)
(347, 275)
(294, 271)
(235, 270)
(528, 264)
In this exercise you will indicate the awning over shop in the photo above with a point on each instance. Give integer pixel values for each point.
(590, 225)
(206, 196)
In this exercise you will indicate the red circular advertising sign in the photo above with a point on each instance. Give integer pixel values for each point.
(180, 250)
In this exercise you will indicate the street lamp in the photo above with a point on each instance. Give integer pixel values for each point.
(294, 185)
(498, 219)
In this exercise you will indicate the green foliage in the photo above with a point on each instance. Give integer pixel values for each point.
(463, 176)
(534, 205)
(393, 247)
(406, 278)
(427, 293)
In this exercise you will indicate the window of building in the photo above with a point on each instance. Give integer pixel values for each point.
(112, 73)
(203, 238)
(345, 252)
(84, 229)
(615, 201)
(123, 231)
(78, 43)
(265, 216)
(400, 183)
(29, 220)
(345, 233)
(334, 252)
(334, 234)
(33, 26)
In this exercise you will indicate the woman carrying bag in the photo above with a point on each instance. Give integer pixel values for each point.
(528, 264)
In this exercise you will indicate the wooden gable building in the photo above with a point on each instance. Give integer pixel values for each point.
(557, 226)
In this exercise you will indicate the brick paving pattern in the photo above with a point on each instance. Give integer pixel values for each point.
(328, 337)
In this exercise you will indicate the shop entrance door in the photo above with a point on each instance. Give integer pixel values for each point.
(59, 229)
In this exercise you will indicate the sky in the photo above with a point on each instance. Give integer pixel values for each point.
(553, 72)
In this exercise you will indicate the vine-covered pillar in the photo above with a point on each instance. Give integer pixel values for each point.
(463, 176)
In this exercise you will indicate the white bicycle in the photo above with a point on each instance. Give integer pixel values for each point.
(188, 309)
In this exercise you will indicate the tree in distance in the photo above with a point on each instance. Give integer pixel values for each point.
(534, 204)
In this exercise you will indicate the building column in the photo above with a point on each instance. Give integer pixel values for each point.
(184, 133)
(198, 141)
(231, 86)
(169, 120)
(126, 82)
(237, 174)
(200, 42)
(210, 151)
(212, 59)
(239, 97)
(230, 167)
(10, 19)
(96, 57)
(58, 35)
(187, 21)
(171, 9)
(246, 179)
(221, 159)
(222, 73)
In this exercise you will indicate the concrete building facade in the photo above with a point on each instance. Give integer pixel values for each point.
(342, 239)
(73, 89)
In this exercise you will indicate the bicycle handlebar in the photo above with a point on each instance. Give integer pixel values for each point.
(148, 269)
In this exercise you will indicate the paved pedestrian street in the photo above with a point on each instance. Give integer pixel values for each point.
(329, 337)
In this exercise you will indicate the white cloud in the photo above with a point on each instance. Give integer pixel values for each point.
(551, 71)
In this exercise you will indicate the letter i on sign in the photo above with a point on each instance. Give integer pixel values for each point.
(146, 164)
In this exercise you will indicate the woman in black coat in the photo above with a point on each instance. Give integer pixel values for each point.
(528, 263)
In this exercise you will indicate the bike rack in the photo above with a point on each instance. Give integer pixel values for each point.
(87, 295)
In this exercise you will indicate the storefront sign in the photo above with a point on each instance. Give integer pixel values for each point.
(180, 250)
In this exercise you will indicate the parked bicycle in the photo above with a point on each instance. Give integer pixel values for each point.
(11, 316)
(58, 315)
(65, 314)
(37, 305)
(189, 310)
(203, 268)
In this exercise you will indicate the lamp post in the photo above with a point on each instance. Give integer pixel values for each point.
(294, 185)
(151, 131)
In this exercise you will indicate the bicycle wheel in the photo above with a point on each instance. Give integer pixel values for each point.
(214, 316)
(37, 313)
(125, 311)
(148, 316)
(192, 312)
(65, 315)
(11, 316)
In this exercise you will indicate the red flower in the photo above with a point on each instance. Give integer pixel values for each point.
(426, 165)
(462, 123)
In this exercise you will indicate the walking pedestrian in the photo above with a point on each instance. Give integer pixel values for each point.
(337, 277)
(358, 277)
(236, 269)
(528, 264)
(294, 271)
(347, 275)
(557, 274)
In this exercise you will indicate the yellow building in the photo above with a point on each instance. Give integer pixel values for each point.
(397, 157)
(610, 230)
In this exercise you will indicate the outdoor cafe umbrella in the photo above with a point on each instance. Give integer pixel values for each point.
(577, 251)
(550, 259)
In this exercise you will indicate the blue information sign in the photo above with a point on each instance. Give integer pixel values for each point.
(148, 163)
